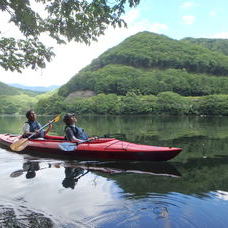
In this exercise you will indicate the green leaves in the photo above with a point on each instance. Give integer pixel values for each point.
(16, 55)
(64, 21)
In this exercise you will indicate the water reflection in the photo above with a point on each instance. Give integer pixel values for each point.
(141, 193)
(72, 175)
(74, 170)
(31, 168)
(196, 176)
(189, 191)
(161, 212)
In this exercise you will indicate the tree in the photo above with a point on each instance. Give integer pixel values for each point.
(64, 21)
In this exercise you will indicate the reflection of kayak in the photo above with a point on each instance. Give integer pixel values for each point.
(140, 167)
(102, 148)
(110, 167)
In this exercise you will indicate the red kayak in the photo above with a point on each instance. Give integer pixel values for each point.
(101, 148)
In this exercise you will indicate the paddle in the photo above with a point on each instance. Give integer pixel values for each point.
(19, 172)
(23, 143)
(70, 146)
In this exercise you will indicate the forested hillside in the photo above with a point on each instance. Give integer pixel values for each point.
(14, 100)
(149, 73)
(143, 62)
(219, 45)
(149, 50)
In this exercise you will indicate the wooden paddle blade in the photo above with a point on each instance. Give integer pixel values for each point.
(57, 118)
(19, 145)
(17, 173)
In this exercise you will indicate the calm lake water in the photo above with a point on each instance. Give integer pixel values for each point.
(190, 190)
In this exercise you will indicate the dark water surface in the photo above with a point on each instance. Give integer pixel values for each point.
(190, 190)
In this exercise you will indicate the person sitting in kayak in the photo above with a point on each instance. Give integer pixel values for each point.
(32, 125)
(72, 132)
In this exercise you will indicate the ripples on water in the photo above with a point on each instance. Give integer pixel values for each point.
(98, 197)
(189, 191)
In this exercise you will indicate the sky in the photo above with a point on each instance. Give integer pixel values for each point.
(176, 19)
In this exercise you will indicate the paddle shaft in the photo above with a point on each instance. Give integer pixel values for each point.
(94, 138)
(88, 140)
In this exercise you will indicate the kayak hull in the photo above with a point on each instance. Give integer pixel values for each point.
(102, 148)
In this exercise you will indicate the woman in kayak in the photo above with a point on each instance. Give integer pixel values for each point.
(72, 132)
(32, 125)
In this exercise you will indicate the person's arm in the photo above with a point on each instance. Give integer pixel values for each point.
(42, 132)
(48, 129)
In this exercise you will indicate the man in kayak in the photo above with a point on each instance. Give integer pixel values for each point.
(32, 125)
(72, 132)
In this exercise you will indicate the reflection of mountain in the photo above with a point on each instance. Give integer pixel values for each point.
(198, 176)
(205, 174)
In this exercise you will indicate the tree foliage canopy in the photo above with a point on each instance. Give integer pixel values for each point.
(219, 45)
(62, 20)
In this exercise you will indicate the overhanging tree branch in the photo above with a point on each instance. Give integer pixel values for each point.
(65, 20)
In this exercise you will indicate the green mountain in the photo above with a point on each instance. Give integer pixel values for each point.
(219, 45)
(14, 100)
(149, 50)
(149, 73)
(150, 63)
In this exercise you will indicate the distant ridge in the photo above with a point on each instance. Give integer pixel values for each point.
(35, 88)
(8, 90)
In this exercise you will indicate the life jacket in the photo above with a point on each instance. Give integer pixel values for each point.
(34, 125)
(79, 133)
